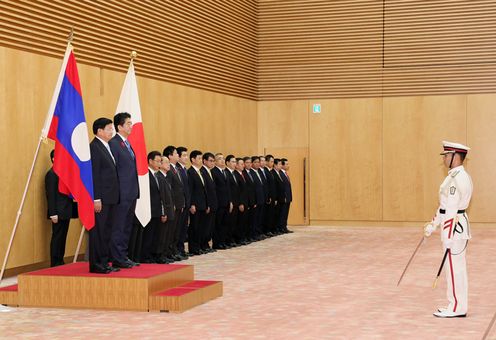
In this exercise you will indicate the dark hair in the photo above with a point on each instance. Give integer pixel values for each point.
(260, 157)
(194, 154)
(208, 155)
(52, 154)
(153, 154)
(276, 161)
(229, 157)
(100, 123)
(238, 159)
(180, 150)
(255, 158)
(462, 156)
(169, 151)
(268, 157)
(284, 160)
(246, 159)
(120, 119)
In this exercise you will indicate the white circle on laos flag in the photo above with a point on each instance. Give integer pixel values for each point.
(79, 142)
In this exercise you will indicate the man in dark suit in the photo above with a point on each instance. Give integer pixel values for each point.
(288, 195)
(234, 191)
(60, 211)
(244, 200)
(179, 199)
(181, 169)
(125, 161)
(143, 242)
(252, 200)
(224, 203)
(267, 204)
(280, 195)
(212, 201)
(199, 208)
(260, 198)
(106, 196)
(164, 246)
(272, 206)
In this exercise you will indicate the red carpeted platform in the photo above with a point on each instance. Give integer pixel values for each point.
(73, 286)
(8, 295)
(82, 269)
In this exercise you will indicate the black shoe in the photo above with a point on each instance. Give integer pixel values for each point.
(125, 265)
(98, 269)
(112, 269)
(163, 260)
(133, 264)
(289, 231)
(184, 256)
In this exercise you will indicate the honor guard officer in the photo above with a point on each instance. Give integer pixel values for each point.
(454, 198)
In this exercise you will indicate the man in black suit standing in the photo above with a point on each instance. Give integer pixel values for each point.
(280, 195)
(272, 206)
(164, 247)
(244, 200)
(125, 161)
(224, 203)
(199, 208)
(212, 201)
(233, 185)
(265, 210)
(252, 200)
(179, 199)
(60, 212)
(106, 196)
(261, 198)
(181, 169)
(144, 249)
(288, 195)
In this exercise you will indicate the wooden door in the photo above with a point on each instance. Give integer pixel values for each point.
(298, 173)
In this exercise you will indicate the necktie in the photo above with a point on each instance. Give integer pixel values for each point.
(110, 152)
(174, 170)
(129, 149)
(201, 177)
(249, 175)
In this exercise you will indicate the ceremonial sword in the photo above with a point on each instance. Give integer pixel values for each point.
(409, 261)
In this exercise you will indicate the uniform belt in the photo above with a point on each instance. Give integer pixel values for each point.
(442, 211)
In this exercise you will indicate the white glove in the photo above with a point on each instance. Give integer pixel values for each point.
(448, 243)
(429, 228)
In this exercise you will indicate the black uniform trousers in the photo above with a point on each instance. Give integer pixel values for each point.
(220, 236)
(121, 230)
(57, 244)
(196, 230)
(99, 236)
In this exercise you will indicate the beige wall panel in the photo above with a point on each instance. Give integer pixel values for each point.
(298, 169)
(283, 123)
(481, 160)
(172, 114)
(413, 130)
(345, 160)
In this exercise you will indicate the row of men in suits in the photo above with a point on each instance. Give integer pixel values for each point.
(229, 201)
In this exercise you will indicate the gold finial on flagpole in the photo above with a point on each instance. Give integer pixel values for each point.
(133, 55)
(71, 35)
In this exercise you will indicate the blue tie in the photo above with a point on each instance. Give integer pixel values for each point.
(129, 148)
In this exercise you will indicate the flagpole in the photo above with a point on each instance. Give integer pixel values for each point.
(19, 212)
(79, 245)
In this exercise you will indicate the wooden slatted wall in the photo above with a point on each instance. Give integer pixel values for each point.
(372, 48)
(207, 44)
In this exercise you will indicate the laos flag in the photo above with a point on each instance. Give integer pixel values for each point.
(66, 125)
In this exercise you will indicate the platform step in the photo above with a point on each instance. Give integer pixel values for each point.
(9, 296)
(185, 296)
